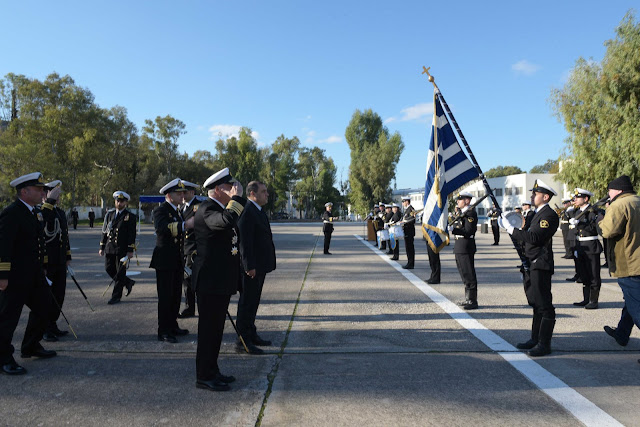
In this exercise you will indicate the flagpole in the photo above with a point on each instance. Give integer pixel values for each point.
(523, 258)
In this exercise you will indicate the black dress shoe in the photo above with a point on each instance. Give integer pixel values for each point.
(250, 346)
(527, 345)
(129, 286)
(328, 253)
(581, 303)
(463, 303)
(113, 301)
(179, 332)
(567, 257)
(55, 330)
(612, 332)
(433, 281)
(572, 279)
(167, 338)
(225, 378)
(39, 352)
(408, 266)
(186, 314)
(394, 258)
(259, 341)
(213, 385)
(471, 305)
(12, 368)
(49, 337)
(494, 244)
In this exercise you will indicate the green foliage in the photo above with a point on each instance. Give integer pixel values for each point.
(317, 175)
(503, 171)
(374, 156)
(599, 106)
(162, 134)
(241, 156)
(550, 166)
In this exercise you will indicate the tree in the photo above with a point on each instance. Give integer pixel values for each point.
(162, 134)
(503, 171)
(281, 170)
(599, 108)
(315, 187)
(374, 156)
(241, 156)
(550, 166)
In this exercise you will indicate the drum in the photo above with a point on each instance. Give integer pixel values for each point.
(397, 231)
(515, 219)
(383, 235)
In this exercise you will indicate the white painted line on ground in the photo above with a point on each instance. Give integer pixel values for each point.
(577, 405)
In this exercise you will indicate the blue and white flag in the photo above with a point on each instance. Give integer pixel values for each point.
(448, 169)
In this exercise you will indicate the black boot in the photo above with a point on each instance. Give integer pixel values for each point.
(544, 339)
(408, 266)
(472, 302)
(585, 297)
(467, 294)
(593, 298)
(535, 332)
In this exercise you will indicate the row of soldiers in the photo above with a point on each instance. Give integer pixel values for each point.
(387, 215)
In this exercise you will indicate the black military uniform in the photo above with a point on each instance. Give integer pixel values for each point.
(22, 259)
(464, 231)
(538, 242)
(216, 276)
(74, 218)
(167, 260)
(493, 215)
(564, 227)
(327, 229)
(396, 217)
(589, 248)
(118, 239)
(409, 229)
(387, 219)
(379, 226)
(56, 234)
(190, 252)
(572, 232)
(434, 265)
(92, 218)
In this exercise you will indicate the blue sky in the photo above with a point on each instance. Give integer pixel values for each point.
(302, 68)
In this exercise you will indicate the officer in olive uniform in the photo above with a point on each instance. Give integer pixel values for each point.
(464, 230)
(56, 234)
(588, 248)
(167, 259)
(217, 272)
(189, 209)
(409, 229)
(395, 219)
(22, 279)
(493, 215)
(118, 241)
(327, 226)
(564, 226)
(538, 239)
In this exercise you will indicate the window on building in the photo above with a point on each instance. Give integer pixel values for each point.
(498, 192)
(480, 211)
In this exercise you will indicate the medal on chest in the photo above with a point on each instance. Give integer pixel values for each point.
(234, 242)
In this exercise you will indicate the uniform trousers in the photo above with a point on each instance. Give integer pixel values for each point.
(466, 266)
(396, 250)
(411, 250)
(212, 310)
(58, 276)
(327, 240)
(496, 232)
(189, 294)
(588, 268)
(169, 286)
(25, 288)
(248, 305)
(117, 271)
(537, 288)
(434, 263)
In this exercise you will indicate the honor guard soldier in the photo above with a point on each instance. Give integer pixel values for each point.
(22, 278)
(564, 226)
(588, 249)
(56, 234)
(379, 222)
(464, 230)
(388, 214)
(167, 259)
(395, 219)
(216, 272)
(571, 238)
(189, 209)
(538, 242)
(118, 241)
(409, 229)
(92, 217)
(327, 226)
(374, 218)
(527, 214)
(74, 218)
(493, 215)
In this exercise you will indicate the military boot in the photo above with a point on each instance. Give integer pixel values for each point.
(585, 297)
(472, 300)
(593, 298)
(535, 332)
(544, 339)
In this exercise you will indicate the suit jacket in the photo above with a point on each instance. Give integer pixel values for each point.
(216, 268)
(190, 235)
(409, 226)
(22, 246)
(538, 238)
(56, 233)
(167, 255)
(466, 227)
(118, 233)
(256, 240)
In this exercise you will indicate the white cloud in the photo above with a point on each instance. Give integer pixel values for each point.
(525, 67)
(418, 113)
(227, 131)
(333, 139)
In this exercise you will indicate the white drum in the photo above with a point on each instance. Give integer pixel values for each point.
(397, 231)
(383, 235)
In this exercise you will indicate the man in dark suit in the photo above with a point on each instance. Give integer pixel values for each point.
(327, 226)
(537, 240)
(167, 260)
(56, 234)
(464, 230)
(92, 217)
(258, 259)
(22, 279)
(409, 229)
(74, 218)
(118, 243)
(217, 272)
(189, 208)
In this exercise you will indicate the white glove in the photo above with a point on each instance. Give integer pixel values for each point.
(503, 222)
(450, 228)
(49, 282)
(573, 221)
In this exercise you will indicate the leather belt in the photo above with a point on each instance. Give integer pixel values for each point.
(586, 238)
(457, 237)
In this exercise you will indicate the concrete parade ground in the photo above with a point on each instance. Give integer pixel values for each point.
(357, 341)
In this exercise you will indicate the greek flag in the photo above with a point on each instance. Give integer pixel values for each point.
(448, 169)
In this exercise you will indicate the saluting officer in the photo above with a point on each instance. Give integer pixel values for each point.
(189, 209)
(22, 279)
(118, 241)
(538, 242)
(327, 226)
(493, 215)
(56, 234)
(167, 259)
(588, 248)
(464, 230)
(409, 229)
(217, 272)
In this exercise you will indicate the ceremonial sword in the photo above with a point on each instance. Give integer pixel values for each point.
(73, 276)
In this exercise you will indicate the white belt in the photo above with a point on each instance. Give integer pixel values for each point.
(462, 237)
(586, 239)
(327, 222)
(564, 222)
